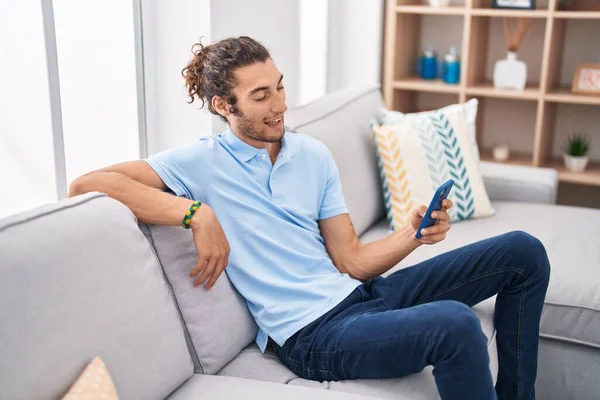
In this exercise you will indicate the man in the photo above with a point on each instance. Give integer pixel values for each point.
(273, 213)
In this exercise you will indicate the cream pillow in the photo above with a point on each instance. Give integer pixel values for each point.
(468, 109)
(94, 383)
(419, 152)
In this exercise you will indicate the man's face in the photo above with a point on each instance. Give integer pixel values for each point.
(260, 102)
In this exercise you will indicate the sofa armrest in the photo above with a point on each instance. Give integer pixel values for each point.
(506, 182)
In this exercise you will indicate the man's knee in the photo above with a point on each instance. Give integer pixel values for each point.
(528, 249)
(459, 320)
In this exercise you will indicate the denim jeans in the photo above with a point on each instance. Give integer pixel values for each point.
(397, 325)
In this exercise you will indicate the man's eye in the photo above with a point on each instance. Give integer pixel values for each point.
(261, 99)
(280, 88)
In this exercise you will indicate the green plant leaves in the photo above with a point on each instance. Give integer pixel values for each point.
(577, 144)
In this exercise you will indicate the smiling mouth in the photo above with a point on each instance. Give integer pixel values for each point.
(274, 122)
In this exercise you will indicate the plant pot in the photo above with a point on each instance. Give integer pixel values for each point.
(575, 164)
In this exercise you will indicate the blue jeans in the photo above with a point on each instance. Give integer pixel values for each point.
(397, 325)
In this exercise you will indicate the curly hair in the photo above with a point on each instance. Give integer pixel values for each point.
(210, 72)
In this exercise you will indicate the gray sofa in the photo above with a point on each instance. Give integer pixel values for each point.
(81, 277)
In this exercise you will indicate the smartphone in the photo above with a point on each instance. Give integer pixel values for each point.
(436, 204)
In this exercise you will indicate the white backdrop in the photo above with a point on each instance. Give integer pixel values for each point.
(26, 155)
(315, 43)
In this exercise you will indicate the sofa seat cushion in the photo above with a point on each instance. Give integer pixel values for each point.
(250, 363)
(571, 236)
(200, 387)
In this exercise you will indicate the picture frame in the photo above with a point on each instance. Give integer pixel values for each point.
(586, 79)
(514, 4)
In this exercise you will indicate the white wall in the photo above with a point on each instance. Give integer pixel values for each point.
(170, 30)
(355, 43)
(26, 154)
(274, 23)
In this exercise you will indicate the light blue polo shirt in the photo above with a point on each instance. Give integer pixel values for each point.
(269, 212)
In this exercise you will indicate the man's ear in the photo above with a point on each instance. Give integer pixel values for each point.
(220, 106)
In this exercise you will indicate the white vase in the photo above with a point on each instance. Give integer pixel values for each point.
(501, 153)
(439, 3)
(510, 73)
(575, 164)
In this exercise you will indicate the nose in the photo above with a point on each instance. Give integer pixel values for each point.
(279, 105)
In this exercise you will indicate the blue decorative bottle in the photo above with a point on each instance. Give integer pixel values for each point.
(428, 64)
(451, 67)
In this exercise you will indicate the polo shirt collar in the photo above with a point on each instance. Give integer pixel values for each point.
(241, 149)
(246, 152)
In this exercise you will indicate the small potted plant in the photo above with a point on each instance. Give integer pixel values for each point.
(575, 152)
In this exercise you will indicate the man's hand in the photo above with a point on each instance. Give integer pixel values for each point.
(435, 233)
(211, 245)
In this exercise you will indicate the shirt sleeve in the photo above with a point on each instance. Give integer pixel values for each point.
(186, 169)
(333, 202)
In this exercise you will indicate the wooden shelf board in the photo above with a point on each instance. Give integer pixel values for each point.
(591, 175)
(426, 9)
(564, 95)
(494, 12)
(422, 85)
(515, 158)
(577, 14)
(531, 92)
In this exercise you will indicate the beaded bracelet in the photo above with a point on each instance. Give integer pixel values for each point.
(189, 214)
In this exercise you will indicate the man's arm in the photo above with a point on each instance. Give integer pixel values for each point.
(136, 185)
(364, 261)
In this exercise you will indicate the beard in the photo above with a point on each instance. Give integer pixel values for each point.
(247, 127)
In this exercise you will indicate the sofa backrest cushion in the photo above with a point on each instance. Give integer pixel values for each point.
(341, 121)
(77, 280)
(218, 322)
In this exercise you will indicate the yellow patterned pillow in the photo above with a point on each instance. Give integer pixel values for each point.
(94, 383)
(416, 155)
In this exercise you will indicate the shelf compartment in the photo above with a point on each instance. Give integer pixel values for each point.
(567, 51)
(422, 85)
(426, 9)
(428, 101)
(591, 175)
(515, 158)
(505, 121)
(577, 14)
(564, 95)
(494, 12)
(487, 46)
(487, 89)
